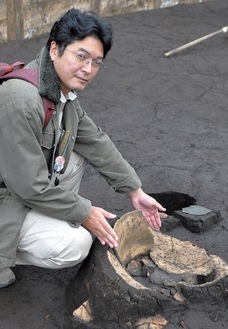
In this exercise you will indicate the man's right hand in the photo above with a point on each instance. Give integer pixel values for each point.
(98, 225)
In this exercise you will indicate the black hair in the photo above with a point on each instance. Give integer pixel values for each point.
(76, 25)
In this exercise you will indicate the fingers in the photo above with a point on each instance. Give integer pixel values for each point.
(108, 235)
(160, 208)
(153, 220)
(111, 242)
(107, 214)
(98, 225)
(153, 223)
(163, 215)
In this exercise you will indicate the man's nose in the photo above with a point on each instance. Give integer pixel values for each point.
(87, 65)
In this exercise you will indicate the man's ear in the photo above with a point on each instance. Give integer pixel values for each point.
(53, 50)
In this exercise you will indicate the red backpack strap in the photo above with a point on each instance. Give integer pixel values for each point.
(49, 107)
(6, 68)
(31, 75)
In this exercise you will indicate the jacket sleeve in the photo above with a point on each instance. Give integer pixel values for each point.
(97, 147)
(23, 166)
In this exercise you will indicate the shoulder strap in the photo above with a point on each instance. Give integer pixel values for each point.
(49, 107)
(6, 68)
(31, 75)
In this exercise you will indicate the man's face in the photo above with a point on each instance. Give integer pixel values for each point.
(75, 68)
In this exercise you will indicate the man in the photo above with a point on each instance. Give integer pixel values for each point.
(43, 219)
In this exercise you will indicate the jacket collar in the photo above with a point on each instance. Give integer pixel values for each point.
(49, 83)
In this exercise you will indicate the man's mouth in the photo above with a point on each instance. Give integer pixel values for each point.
(82, 79)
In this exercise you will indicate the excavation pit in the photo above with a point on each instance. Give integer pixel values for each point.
(182, 209)
(173, 201)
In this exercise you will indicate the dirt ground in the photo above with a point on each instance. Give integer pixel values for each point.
(168, 117)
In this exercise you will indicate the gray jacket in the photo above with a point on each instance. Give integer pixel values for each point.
(27, 156)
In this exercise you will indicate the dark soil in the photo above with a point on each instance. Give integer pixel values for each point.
(168, 117)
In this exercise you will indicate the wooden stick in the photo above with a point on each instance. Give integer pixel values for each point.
(195, 42)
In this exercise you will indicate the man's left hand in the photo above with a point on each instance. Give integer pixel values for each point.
(148, 206)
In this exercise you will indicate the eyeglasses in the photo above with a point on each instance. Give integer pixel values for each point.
(84, 59)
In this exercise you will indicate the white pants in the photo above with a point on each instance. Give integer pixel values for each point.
(52, 243)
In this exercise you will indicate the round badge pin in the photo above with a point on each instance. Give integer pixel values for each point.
(59, 163)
